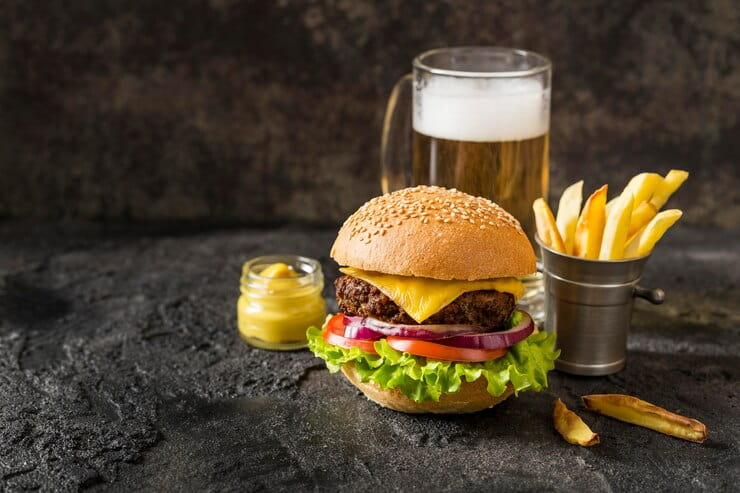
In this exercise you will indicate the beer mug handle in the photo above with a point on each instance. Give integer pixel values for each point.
(395, 145)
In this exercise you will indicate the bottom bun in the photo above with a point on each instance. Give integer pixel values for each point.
(472, 396)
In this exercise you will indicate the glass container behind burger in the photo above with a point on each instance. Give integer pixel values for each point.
(480, 121)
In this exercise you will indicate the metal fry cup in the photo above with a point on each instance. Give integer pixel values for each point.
(589, 304)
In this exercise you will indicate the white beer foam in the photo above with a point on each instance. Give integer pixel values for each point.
(480, 110)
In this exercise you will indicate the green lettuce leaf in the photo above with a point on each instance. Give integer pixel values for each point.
(525, 366)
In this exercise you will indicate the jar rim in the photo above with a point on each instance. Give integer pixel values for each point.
(308, 270)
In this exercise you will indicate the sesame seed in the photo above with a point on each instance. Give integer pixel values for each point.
(424, 203)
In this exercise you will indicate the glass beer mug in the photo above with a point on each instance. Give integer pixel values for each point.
(476, 119)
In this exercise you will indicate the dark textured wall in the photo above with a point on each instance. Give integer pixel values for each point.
(260, 111)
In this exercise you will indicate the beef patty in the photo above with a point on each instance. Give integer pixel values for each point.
(486, 308)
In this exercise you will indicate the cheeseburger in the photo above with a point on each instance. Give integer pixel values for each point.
(428, 320)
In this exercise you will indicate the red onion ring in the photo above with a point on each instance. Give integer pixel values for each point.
(370, 328)
(493, 340)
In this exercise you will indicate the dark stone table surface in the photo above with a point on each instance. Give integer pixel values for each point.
(121, 369)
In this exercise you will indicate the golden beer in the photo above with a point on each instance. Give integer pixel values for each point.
(511, 173)
(480, 122)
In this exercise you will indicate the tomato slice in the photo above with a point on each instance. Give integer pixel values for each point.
(334, 334)
(440, 351)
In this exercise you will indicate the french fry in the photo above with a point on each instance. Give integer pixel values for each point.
(615, 231)
(572, 427)
(568, 210)
(644, 241)
(638, 412)
(590, 226)
(610, 204)
(668, 186)
(641, 215)
(547, 230)
(642, 186)
(645, 211)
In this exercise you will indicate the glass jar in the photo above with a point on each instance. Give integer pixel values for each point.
(280, 298)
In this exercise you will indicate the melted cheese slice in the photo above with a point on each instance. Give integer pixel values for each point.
(422, 297)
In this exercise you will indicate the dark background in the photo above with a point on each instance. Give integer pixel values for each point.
(270, 111)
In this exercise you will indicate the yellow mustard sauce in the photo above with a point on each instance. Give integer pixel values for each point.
(280, 298)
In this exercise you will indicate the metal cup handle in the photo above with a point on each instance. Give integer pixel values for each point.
(655, 296)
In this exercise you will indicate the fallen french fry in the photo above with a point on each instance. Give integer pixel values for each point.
(668, 186)
(547, 230)
(590, 226)
(615, 231)
(638, 412)
(572, 427)
(568, 210)
(645, 211)
(644, 241)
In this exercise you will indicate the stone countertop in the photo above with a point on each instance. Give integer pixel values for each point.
(121, 368)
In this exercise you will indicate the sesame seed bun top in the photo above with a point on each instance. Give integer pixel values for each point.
(436, 233)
